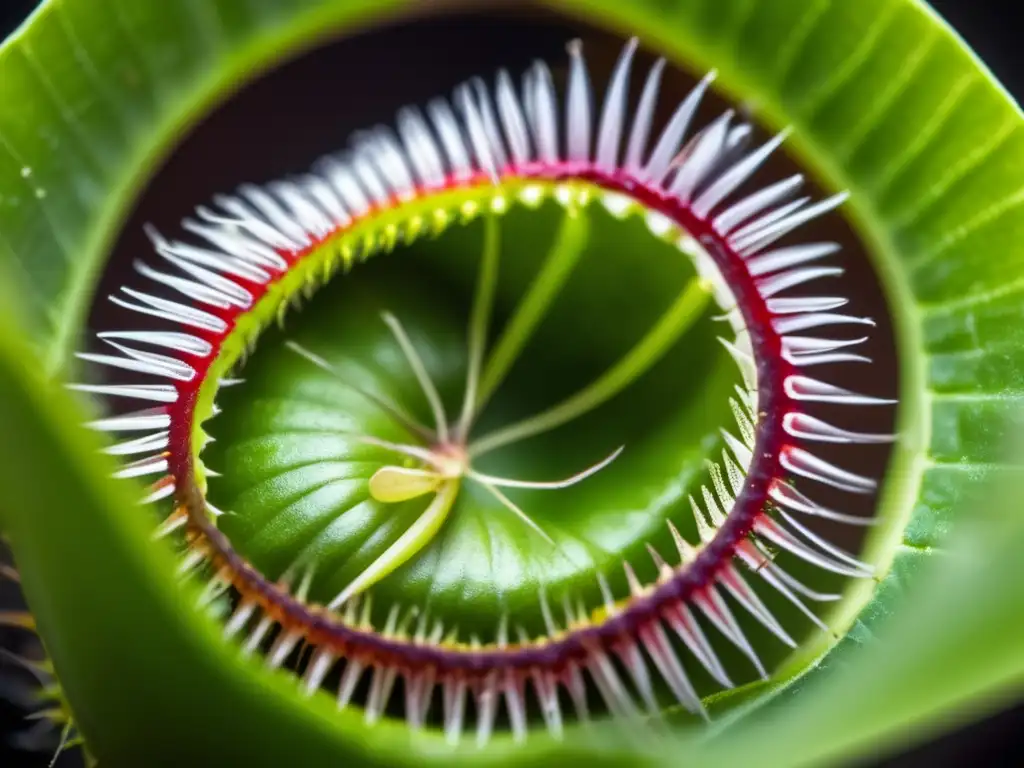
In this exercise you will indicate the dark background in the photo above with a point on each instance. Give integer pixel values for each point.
(988, 27)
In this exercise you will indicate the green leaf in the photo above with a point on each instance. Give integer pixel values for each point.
(885, 101)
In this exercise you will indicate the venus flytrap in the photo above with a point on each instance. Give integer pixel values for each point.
(316, 524)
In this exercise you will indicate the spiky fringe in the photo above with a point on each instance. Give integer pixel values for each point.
(505, 144)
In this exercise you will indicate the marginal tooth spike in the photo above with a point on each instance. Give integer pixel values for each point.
(632, 659)
(447, 128)
(781, 281)
(343, 181)
(753, 204)
(255, 637)
(578, 106)
(487, 708)
(545, 609)
(515, 703)
(256, 245)
(804, 322)
(753, 604)
(808, 427)
(724, 494)
(664, 657)
(160, 490)
(685, 549)
(803, 589)
(751, 228)
(642, 122)
(320, 191)
(682, 621)
(768, 235)
(699, 157)
(825, 545)
(173, 522)
(727, 182)
(739, 450)
(349, 679)
(606, 595)
(800, 345)
(361, 162)
(789, 256)
(197, 291)
(668, 144)
(184, 343)
(141, 362)
(153, 465)
(775, 533)
(757, 554)
(474, 125)
(381, 685)
(239, 230)
(546, 690)
(239, 618)
(801, 304)
(613, 114)
(282, 648)
(173, 311)
(581, 613)
(317, 670)
(419, 694)
(738, 139)
(743, 422)
(454, 703)
(274, 213)
(214, 588)
(805, 361)
(789, 497)
(806, 464)
(571, 616)
(229, 289)
(734, 473)
(145, 444)
(512, 120)
(501, 636)
(714, 512)
(543, 113)
(747, 398)
(573, 681)
(749, 554)
(705, 531)
(157, 393)
(615, 695)
(192, 559)
(635, 587)
(745, 362)
(714, 607)
(490, 122)
(420, 148)
(659, 562)
(807, 389)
